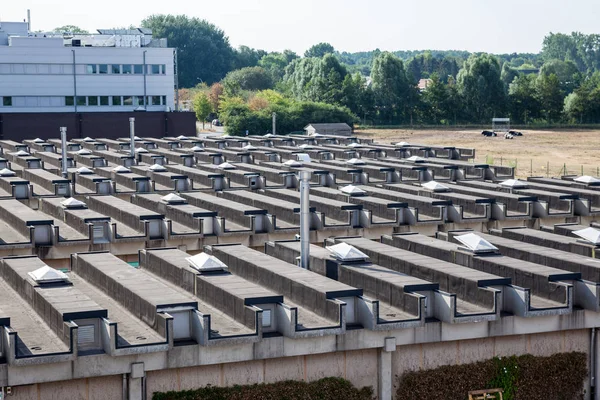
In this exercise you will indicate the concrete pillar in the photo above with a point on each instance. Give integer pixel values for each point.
(135, 382)
(384, 367)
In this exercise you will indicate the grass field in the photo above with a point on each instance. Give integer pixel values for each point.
(532, 154)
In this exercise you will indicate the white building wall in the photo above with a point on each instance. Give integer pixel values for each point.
(39, 78)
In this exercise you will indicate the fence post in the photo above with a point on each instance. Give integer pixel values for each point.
(582, 169)
(500, 160)
(547, 169)
(564, 169)
(531, 170)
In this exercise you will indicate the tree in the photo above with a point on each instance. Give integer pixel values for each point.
(523, 99)
(245, 56)
(390, 86)
(566, 71)
(481, 87)
(71, 29)
(275, 63)
(249, 78)
(316, 79)
(202, 107)
(508, 74)
(203, 50)
(214, 96)
(319, 50)
(550, 96)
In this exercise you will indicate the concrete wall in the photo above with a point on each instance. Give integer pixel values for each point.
(433, 355)
(363, 367)
(106, 387)
(358, 366)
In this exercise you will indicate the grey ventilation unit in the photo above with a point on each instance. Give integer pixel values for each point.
(249, 147)
(182, 137)
(88, 139)
(21, 153)
(38, 140)
(353, 145)
(141, 150)
(415, 159)
(83, 152)
(197, 148)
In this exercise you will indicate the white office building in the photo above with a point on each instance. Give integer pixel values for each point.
(114, 70)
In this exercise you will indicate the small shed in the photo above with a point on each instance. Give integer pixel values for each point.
(338, 129)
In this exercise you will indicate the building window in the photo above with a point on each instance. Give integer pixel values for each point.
(69, 101)
(127, 69)
(156, 100)
(138, 69)
(92, 69)
(7, 101)
(138, 100)
(116, 101)
(115, 69)
(103, 100)
(164, 69)
(92, 100)
(127, 101)
(81, 101)
(164, 100)
(103, 68)
(155, 69)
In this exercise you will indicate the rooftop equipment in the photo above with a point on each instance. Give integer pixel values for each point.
(477, 244)
(345, 252)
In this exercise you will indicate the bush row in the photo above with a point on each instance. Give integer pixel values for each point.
(324, 389)
(558, 377)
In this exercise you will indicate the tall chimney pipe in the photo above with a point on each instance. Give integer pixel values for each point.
(304, 218)
(63, 150)
(132, 136)
(28, 21)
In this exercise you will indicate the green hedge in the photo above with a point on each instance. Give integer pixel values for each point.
(324, 389)
(558, 377)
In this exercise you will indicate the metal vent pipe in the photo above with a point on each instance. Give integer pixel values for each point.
(63, 150)
(304, 218)
(132, 136)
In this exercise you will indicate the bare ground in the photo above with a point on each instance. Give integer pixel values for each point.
(531, 153)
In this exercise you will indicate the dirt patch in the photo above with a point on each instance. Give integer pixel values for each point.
(537, 152)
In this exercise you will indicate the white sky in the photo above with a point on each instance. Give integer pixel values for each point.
(349, 25)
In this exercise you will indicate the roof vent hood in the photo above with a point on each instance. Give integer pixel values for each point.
(73, 203)
(172, 198)
(476, 244)
(206, 263)
(590, 235)
(345, 252)
(46, 275)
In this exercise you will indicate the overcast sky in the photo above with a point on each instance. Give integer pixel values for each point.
(349, 25)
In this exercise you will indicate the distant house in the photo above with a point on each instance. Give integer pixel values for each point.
(338, 129)
(423, 84)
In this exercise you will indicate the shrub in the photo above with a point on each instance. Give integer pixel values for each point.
(558, 377)
(324, 389)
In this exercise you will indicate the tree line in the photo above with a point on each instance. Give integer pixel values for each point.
(560, 84)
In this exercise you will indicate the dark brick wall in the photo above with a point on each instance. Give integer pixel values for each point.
(111, 125)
